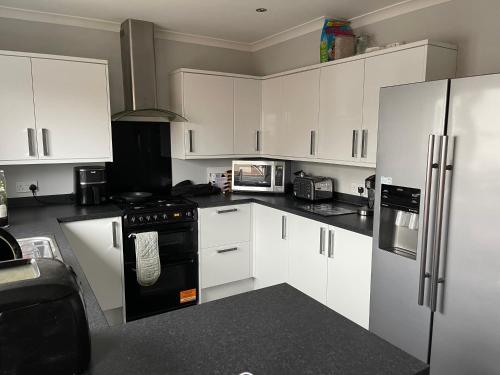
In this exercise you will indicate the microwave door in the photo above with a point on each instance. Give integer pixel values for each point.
(253, 177)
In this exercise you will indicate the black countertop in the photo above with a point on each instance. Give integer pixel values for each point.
(44, 220)
(352, 222)
(276, 330)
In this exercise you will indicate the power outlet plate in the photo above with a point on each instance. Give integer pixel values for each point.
(24, 186)
(354, 189)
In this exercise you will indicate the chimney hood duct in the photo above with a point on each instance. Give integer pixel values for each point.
(139, 75)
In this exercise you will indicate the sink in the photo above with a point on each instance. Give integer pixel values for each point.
(40, 247)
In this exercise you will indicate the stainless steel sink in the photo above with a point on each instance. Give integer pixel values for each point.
(40, 247)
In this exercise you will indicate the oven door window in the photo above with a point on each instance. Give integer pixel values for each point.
(254, 175)
(177, 281)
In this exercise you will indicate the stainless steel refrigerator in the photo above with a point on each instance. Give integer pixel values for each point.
(436, 242)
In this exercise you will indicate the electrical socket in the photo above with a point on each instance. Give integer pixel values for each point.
(24, 186)
(354, 189)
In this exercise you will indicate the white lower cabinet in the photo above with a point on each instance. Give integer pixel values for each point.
(270, 246)
(307, 262)
(98, 247)
(349, 275)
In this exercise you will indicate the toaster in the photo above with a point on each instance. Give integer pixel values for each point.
(43, 323)
(313, 188)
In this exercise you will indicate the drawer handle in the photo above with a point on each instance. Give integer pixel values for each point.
(227, 211)
(227, 250)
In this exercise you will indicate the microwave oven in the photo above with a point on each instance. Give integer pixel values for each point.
(267, 176)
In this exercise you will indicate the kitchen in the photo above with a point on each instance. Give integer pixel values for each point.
(273, 283)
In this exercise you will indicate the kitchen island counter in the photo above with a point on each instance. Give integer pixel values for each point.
(276, 330)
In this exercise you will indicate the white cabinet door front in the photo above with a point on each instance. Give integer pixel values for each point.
(209, 108)
(271, 246)
(349, 275)
(17, 119)
(98, 247)
(341, 111)
(307, 264)
(72, 109)
(301, 109)
(247, 114)
(273, 120)
(391, 69)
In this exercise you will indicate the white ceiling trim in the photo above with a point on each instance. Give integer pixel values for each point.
(391, 11)
(395, 10)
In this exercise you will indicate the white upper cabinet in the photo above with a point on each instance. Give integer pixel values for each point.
(273, 118)
(54, 109)
(17, 119)
(247, 114)
(301, 110)
(208, 106)
(71, 109)
(307, 263)
(341, 111)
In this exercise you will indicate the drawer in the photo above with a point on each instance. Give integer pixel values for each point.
(225, 264)
(224, 225)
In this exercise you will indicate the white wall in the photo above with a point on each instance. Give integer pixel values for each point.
(196, 170)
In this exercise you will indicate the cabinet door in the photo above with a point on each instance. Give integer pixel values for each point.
(98, 247)
(209, 108)
(307, 269)
(341, 111)
(271, 246)
(72, 110)
(17, 118)
(407, 66)
(273, 120)
(349, 274)
(247, 113)
(301, 103)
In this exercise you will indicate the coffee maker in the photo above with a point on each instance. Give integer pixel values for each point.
(370, 188)
(90, 185)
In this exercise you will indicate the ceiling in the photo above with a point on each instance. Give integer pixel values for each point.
(234, 20)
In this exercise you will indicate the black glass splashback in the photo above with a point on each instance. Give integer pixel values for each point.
(141, 158)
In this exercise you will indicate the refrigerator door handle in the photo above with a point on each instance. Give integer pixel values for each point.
(425, 225)
(438, 238)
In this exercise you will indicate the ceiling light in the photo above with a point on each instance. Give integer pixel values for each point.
(261, 10)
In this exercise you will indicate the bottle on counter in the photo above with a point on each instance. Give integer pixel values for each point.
(4, 219)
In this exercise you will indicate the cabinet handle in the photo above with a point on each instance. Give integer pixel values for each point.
(114, 229)
(31, 144)
(190, 133)
(45, 141)
(227, 250)
(227, 211)
(283, 227)
(313, 142)
(354, 152)
(322, 241)
(331, 243)
(257, 141)
(364, 142)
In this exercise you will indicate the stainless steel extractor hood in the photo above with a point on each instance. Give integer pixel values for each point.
(139, 75)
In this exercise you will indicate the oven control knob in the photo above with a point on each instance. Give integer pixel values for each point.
(132, 219)
(141, 219)
(188, 214)
(164, 216)
(155, 217)
(148, 218)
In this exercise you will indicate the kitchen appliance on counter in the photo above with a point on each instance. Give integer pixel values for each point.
(312, 188)
(435, 269)
(176, 222)
(370, 188)
(267, 176)
(90, 185)
(43, 325)
(9, 247)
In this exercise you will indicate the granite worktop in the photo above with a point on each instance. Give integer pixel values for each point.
(275, 330)
(352, 222)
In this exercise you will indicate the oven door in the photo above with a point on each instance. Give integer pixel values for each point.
(253, 176)
(177, 285)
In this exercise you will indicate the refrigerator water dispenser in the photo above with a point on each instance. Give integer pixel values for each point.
(399, 217)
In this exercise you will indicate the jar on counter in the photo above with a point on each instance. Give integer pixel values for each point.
(4, 219)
